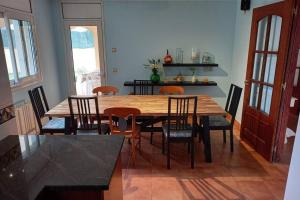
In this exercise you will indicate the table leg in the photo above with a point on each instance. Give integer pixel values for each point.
(206, 139)
(68, 126)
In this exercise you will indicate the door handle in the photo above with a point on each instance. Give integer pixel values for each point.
(246, 82)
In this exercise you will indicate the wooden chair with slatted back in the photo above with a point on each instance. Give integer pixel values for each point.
(40, 107)
(106, 90)
(181, 110)
(171, 90)
(143, 87)
(126, 125)
(221, 122)
(83, 119)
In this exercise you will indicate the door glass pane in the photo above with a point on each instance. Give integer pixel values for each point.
(275, 33)
(261, 33)
(30, 47)
(270, 68)
(86, 60)
(266, 99)
(254, 95)
(8, 57)
(258, 61)
(18, 46)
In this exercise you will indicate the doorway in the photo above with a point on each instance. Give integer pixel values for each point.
(86, 59)
(267, 58)
(290, 106)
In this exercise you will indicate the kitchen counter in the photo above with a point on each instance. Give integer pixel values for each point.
(60, 167)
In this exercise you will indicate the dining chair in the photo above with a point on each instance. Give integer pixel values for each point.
(178, 129)
(142, 87)
(171, 90)
(105, 90)
(168, 90)
(126, 125)
(40, 107)
(222, 122)
(84, 113)
(145, 87)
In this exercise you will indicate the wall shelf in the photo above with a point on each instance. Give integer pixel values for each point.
(191, 65)
(174, 83)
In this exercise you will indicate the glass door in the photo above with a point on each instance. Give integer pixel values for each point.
(265, 75)
(86, 57)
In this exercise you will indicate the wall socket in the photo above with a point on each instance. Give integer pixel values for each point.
(115, 70)
(114, 50)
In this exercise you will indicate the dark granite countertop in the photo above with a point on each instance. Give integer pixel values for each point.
(30, 164)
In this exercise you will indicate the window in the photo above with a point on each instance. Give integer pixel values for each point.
(20, 51)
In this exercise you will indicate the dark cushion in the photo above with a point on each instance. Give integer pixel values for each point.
(143, 118)
(56, 123)
(218, 121)
(177, 133)
(94, 130)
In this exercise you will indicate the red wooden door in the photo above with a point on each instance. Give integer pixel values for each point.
(265, 71)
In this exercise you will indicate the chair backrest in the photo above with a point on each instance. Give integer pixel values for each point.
(179, 111)
(142, 87)
(233, 100)
(106, 90)
(123, 114)
(171, 90)
(39, 103)
(86, 111)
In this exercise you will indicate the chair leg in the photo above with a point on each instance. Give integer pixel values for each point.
(231, 140)
(168, 154)
(200, 133)
(163, 143)
(140, 141)
(192, 154)
(133, 150)
(224, 136)
(151, 136)
(189, 147)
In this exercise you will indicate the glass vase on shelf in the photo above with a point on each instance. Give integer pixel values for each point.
(179, 56)
(195, 55)
(155, 78)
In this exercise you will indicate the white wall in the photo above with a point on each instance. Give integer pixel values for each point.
(241, 46)
(292, 188)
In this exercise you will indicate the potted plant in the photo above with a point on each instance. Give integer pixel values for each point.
(154, 65)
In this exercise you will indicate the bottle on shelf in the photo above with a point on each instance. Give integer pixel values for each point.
(168, 58)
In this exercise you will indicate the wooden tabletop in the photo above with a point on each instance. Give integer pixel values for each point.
(150, 105)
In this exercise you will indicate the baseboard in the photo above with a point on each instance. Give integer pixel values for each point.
(237, 125)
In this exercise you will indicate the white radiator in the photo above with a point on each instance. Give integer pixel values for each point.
(26, 122)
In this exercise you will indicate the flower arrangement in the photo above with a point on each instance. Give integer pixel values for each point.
(154, 65)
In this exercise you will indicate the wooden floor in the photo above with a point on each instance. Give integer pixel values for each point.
(241, 175)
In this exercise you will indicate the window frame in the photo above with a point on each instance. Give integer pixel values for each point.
(28, 80)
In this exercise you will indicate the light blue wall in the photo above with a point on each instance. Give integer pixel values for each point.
(141, 30)
(241, 46)
(61, 57)
(47, 54)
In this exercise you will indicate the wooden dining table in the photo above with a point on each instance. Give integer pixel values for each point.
(150, 105)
